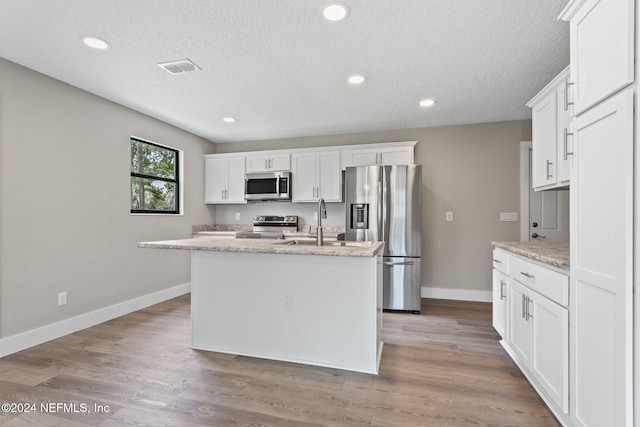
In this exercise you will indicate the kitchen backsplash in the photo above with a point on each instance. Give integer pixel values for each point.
(226, 214)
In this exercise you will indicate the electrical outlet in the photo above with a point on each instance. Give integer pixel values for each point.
(315, 216)
(287, 299)
(62, 298)
(237, 216)
(449, 216)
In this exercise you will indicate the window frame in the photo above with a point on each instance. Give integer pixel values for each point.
(177, 180)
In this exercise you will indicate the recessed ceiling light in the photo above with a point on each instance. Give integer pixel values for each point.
(95, 43)
(228, 119)
(427, 102)
(356, 79)
(335, 12)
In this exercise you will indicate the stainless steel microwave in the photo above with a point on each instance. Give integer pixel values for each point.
(268, 186)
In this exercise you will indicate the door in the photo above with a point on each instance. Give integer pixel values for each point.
(329, 176)
(215, 179)
(519, 331)
(544, 141)
(398, 156)
(499, 307)
(550, 348)
(548, 215)
(401, 284)
(602, 264)
(303, 179)
(235, 180)
(401, 210)
(601, 50)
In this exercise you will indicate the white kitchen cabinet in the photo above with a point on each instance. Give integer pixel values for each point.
(400, 155)
(268, 162)
(549, 361)
(316, 175)
(602, 264)
(500, 279)
(551, 138)
(224, 179)
(601, 49)
(538, 338)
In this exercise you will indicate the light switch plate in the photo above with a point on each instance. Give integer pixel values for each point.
(509, 216)
(449, 216)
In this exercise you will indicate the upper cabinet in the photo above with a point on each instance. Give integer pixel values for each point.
(223, 179)
(266, 162)
(399, 153)
(316, 175)
(552, 142)
(601, 49)
(315, 172)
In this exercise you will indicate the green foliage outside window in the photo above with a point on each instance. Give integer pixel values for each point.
(154, 178)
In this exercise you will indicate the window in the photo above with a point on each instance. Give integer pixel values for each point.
(154, 178)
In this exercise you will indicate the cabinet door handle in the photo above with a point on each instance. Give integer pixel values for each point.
(566, 94)
(502, 286)
(549, 175)
(529, 315)
(523, 305)
(497, 260)
(566, 151)
(530, 276)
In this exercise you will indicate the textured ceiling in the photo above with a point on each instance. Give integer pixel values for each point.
(280, 68)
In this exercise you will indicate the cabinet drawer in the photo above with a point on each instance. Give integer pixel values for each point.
(549, 283)
(501, 261)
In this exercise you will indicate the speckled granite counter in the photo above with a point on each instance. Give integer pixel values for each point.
(555, 254)
(358, 249)
(330, 231)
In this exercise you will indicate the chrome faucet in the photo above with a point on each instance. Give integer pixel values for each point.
(322, 213)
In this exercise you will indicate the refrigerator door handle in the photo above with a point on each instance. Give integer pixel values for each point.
(399, 263)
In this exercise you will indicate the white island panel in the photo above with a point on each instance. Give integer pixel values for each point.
(334, 318)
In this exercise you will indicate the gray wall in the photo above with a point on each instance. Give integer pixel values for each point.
(471, 170)
(64, 203)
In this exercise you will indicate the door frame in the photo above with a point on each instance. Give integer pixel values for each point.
(525, 184)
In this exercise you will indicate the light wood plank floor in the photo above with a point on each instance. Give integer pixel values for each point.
(444, 367)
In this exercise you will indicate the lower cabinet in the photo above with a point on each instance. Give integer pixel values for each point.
(532, 316)
(539, 339)
(499, 315)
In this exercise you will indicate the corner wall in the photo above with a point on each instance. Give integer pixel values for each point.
(470, 170)
(64, 203)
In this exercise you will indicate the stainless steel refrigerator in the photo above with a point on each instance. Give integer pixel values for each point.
(383, 203)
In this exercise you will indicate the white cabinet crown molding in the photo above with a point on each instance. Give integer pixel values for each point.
(318, 149)
(551, 86)
(570, 9)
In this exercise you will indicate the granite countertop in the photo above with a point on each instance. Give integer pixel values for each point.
(555, 254)
(330, 231)
(270, 246)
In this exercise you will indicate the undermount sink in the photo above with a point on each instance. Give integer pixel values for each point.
(330, 243)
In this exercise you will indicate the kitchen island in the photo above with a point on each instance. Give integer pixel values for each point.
(287, 300)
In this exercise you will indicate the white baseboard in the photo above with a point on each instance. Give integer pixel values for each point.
(59, 329)
(456, 294)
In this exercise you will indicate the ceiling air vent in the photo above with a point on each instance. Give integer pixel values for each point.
(178, 67)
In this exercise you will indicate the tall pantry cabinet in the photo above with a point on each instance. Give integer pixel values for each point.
(602, 53)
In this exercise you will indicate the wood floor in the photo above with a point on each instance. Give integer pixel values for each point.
(444, 367)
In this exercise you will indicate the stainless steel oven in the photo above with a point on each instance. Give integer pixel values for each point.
(268, 186)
